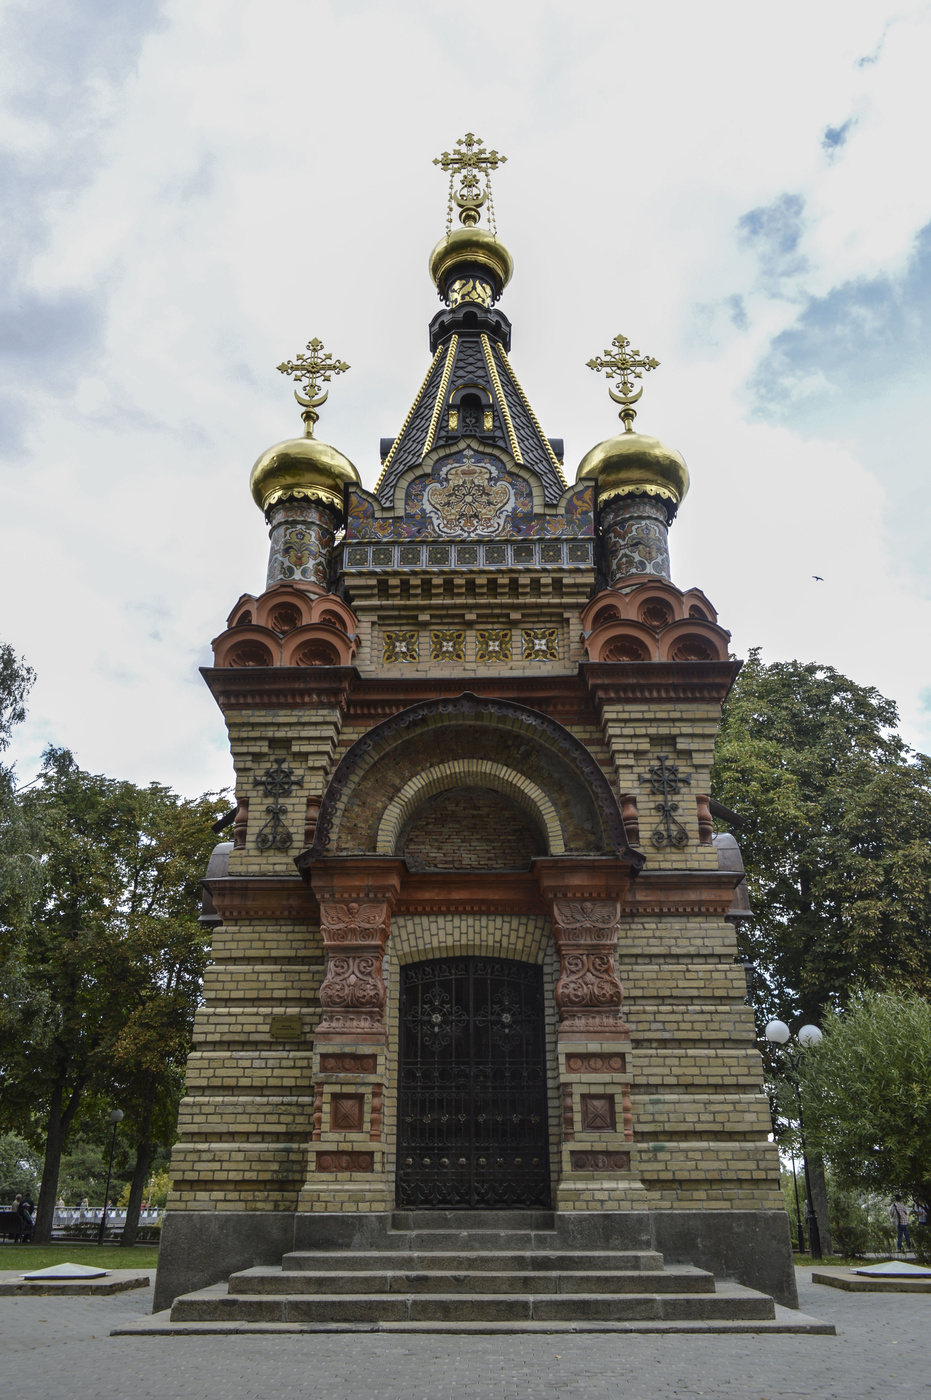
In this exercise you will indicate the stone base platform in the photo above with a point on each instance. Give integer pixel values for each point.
(475, 1271)
(851, 1282)
(201, 1248)
(12, 1284)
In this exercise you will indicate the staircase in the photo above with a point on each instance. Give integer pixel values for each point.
(476, 1271)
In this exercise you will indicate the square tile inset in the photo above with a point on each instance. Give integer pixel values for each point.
(598, 1113)
(347, 1113)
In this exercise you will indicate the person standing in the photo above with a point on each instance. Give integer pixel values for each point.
(898, 1212)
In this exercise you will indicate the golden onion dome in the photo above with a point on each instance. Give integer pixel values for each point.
(303, 467)
(632, 463)
(471, 249)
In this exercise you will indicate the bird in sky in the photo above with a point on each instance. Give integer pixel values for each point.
(818, 577)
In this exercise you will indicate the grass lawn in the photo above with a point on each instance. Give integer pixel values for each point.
(835, 1261)
(26, 1257)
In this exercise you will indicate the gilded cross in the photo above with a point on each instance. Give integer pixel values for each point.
(470, 164)
(624, 365)
(312, 370)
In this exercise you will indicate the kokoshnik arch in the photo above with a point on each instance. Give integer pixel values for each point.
(473, 939)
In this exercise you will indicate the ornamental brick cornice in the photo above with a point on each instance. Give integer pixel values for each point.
(353, 877)
(658, 682)
(586, 877)
(263, 897)
(560, 697)
(681, 892)
(470, 892)
(280, 687)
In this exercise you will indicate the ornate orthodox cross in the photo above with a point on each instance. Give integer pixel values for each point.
(311, 371)
(666, 780)
(624, 365)
(470, 164)
(278, 781)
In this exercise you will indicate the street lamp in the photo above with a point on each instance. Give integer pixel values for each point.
(778, 1033)
(116, 1118)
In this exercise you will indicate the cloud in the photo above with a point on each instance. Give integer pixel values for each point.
(200, 186)
(774, 232)
(64, 61)
(852, 341)
(835, 137)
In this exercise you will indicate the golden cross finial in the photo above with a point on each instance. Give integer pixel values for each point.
(471, 164)
(311, 371)
(624, 365)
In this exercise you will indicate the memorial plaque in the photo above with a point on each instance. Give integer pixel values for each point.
(285, 1028)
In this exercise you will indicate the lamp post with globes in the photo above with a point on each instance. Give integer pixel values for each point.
(116, 1118)
(778, 1033)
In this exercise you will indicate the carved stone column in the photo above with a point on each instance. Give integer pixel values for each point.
(353, 992)
(347, 1160)
(589, 992)
(597, 1168)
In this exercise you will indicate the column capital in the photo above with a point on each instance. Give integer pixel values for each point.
(583, 877)
(355, 878)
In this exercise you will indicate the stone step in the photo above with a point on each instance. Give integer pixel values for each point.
(785, 1321)
(267, 1281)
(410, 1261)
(735, 1305)
(473, 1220)
(473, 1239)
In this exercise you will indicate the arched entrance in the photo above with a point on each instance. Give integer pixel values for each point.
(472, 1108)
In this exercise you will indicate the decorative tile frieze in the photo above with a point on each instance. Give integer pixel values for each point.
(540, 643)
(395, 554)
(401, 647)
(447, 645)
(493, 644)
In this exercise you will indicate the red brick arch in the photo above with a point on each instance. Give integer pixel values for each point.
(536, 751)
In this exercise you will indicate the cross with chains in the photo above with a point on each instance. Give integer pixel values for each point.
(666, 780)
(278, 781)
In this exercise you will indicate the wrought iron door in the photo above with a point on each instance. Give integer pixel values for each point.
(472, 1129)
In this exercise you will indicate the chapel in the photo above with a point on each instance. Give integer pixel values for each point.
(473, 935)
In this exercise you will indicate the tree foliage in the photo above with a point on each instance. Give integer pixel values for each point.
(867, 1093)
(112, 959)
(19, 873)
(837, 836)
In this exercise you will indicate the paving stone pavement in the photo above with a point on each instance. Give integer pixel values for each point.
(56, 1348)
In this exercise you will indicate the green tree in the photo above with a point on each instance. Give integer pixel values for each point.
(112, 958)
(867, 1091)
(836, 840)
(19, 1168)
(20, 876)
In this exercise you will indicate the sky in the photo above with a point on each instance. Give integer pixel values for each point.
(195, 188)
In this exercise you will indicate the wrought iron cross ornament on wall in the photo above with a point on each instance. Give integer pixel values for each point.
(666, 780)
(278, 782)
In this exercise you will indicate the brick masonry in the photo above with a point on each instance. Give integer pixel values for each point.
(690, 1122)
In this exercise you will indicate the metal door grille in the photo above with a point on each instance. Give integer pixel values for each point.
(472, 1128)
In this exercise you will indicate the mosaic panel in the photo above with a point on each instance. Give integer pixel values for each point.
(300, 541)
(471, 495)
(540, 643)
(635, 537)
(401, 646)
(447, 645)
(493, 644)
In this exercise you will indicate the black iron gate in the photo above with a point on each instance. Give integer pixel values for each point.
(472, 1120)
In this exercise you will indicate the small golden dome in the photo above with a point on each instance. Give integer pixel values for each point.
(633, 462)
(302, 466)
(471, 247)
